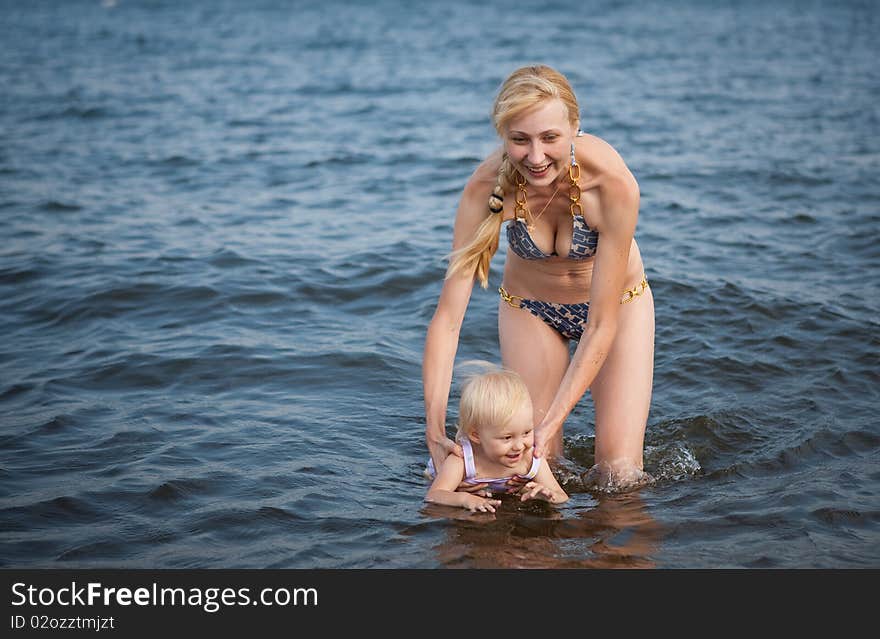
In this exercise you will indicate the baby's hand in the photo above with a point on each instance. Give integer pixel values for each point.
(481, 504)
(534, 490)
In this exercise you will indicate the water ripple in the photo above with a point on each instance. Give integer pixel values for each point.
(224, 242)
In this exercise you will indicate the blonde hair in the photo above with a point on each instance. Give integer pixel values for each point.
(489, 398)
(523, 89)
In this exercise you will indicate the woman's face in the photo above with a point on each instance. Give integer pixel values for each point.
(538, 142)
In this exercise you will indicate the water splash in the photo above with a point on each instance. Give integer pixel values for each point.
(672, 462)
(664, 462)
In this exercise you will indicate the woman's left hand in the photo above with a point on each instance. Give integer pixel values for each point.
(543, 437)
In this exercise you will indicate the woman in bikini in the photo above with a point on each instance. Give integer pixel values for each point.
(572, 271)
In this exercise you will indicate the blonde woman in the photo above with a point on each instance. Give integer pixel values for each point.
(572, 271)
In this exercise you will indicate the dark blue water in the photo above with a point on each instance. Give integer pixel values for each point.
(223, 234)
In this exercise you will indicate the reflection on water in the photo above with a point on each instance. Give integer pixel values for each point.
(615, 532)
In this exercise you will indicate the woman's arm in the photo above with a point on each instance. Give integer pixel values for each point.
(441, 341)
(618, 213)
(441, 344)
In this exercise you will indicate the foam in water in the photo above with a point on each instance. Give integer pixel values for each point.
(672, 462)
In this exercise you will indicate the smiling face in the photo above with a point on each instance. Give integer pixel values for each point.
(508, 443)
(538, 142)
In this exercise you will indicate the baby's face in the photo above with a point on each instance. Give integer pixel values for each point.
(508, 443)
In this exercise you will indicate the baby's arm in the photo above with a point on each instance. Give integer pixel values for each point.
(544, 486)
(449, 476)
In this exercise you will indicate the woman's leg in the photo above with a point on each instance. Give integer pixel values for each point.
(538, 353)
(621, 396)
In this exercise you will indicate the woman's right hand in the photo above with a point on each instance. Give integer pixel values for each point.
(441, 447)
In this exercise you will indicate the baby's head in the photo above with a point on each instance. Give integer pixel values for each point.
(492, 399)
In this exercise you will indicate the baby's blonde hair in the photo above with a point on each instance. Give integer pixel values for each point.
(523, 89)
(490, 397)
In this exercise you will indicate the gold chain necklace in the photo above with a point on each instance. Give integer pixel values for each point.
(522, 206)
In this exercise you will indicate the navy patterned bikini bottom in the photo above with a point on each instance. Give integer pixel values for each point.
(569, 320)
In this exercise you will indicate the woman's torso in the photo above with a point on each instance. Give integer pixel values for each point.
(558, 278)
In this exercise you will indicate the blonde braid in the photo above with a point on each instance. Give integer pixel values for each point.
(476, 256)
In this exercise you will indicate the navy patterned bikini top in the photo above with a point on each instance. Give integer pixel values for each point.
(583, 240)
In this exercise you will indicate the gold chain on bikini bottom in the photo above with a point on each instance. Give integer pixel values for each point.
(628, 295)
(512, 300)
(631, 293)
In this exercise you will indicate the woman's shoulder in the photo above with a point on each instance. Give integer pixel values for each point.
(602, 165)
(480, 184)
(486, 173)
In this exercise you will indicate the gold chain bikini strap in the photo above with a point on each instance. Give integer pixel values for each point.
(574, 189)
(522, 208)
